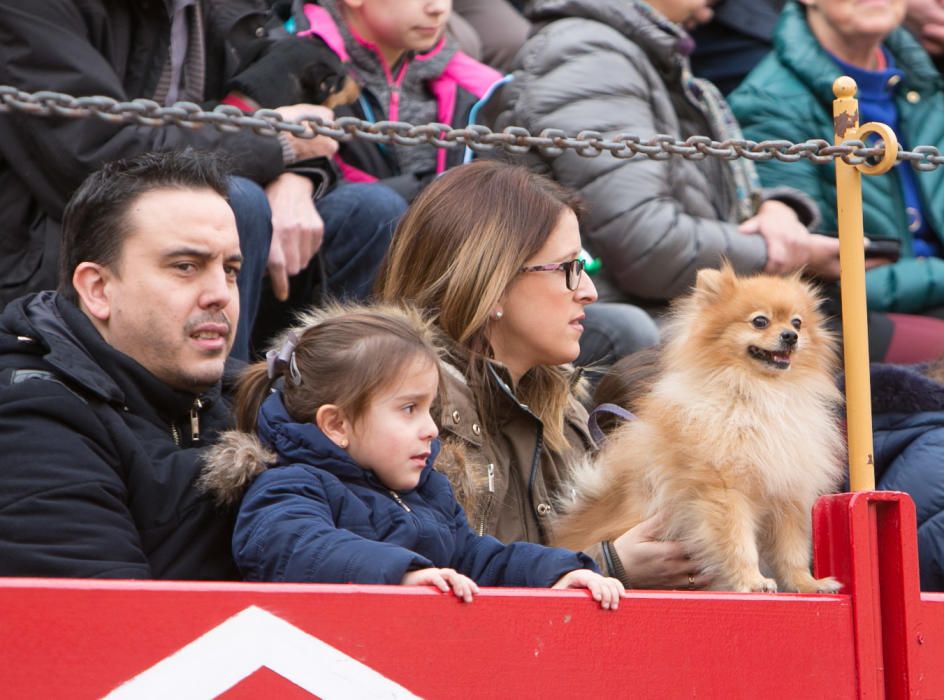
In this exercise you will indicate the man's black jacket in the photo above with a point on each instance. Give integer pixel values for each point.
(97, 457)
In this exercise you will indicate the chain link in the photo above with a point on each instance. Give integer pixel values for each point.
(513, 139)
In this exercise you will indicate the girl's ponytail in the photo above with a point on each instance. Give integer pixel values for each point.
(251, 390)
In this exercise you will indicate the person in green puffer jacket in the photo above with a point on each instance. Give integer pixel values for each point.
(789, 96)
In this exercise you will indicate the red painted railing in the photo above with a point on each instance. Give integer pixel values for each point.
(879, 638)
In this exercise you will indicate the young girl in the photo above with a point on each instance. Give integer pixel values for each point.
(351, 495)
(408, 70)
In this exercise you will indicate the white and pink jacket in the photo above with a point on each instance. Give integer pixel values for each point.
(442, 85)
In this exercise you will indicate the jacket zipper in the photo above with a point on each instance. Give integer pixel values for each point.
(535, 457)
(399, 501)
(535, 467)
(195, 420)
(488, 501)
(194, 424)
(393, 112)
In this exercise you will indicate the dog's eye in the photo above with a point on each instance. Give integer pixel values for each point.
(760, 321)
(796, 323)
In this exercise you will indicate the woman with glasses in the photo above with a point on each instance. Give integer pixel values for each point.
(491, 251)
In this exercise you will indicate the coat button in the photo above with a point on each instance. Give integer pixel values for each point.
(543, 509)
(894, 80)
(455, 417)
(476, 429)
(913, 97)
(260, 32)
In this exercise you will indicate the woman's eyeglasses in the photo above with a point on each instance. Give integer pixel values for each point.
(572, 270)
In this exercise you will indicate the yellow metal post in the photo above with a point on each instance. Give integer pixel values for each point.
(852, 281)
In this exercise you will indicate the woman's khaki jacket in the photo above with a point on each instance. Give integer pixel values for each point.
(507, 482)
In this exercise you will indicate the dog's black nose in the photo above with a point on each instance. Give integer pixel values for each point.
(788, 338)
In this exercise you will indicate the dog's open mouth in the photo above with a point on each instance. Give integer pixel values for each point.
(780, 359)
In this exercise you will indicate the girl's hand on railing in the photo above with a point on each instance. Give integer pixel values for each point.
(444, 579)
(606, 591)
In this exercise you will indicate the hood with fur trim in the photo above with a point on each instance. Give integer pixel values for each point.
(905, 389)
(232, 464)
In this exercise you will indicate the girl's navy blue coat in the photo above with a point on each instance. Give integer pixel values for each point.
(319, 517)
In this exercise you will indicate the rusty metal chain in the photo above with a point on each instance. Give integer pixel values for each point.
(513, 139)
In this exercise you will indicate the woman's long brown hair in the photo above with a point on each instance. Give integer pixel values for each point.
(456, 251)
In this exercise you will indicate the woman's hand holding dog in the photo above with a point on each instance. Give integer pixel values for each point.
(606, 591)
(444, 579)
(652, 563)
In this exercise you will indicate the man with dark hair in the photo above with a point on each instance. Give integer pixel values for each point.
(110, 388)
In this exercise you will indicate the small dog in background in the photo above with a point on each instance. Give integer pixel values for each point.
(288, 71)
(734, 442)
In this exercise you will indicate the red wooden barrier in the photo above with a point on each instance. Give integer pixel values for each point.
(869, 541)
(84, 639)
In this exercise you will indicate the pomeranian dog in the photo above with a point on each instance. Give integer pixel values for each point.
(734, 442)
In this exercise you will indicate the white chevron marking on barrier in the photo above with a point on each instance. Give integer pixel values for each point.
(251, 639)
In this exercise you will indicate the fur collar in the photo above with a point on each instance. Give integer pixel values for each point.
(231, 465)
(905, 389)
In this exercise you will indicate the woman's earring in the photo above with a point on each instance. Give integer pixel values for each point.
(498, 315)
(343, 443)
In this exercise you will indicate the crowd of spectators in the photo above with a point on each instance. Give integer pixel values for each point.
(178, 254)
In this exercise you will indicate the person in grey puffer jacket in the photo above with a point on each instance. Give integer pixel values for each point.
(621, 66)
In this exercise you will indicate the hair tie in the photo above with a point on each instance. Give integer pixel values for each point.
(278, 360)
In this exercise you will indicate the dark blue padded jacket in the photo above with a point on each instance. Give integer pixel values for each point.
(319, 517)
(908, 425)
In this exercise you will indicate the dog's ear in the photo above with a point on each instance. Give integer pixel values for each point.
(712, 284)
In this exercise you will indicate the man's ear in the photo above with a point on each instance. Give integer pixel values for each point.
(90, 281)
(334, 424)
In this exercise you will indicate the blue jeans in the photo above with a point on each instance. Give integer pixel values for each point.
(359, 220)
(254, 223)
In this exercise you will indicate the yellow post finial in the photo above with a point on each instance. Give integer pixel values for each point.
(844, 86)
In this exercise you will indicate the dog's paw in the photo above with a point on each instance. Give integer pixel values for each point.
(826, 585)
(807, 584)
(757, 584)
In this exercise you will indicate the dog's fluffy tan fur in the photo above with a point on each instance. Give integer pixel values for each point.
(734, 443)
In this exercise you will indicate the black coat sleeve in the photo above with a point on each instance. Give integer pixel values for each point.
(63, 503)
